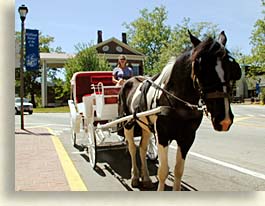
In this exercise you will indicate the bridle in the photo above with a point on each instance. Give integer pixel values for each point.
(205, 91)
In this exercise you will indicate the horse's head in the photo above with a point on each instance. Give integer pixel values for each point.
(212, 70)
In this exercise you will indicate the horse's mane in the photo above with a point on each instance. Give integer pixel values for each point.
(206, 47)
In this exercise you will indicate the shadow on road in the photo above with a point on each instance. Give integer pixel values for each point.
(117, 162)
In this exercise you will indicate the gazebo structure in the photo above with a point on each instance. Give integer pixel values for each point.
(50, 60)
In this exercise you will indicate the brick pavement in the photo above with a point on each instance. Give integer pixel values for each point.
(37, 166)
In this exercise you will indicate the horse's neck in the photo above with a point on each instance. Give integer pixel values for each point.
(178, 70)
(166, 72)
(176, 78)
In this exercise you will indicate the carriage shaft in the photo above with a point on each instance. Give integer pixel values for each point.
(129, 117)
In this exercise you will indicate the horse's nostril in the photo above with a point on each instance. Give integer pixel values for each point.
(225, 124)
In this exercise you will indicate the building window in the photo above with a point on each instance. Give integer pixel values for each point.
(105, 48)
(119, 49)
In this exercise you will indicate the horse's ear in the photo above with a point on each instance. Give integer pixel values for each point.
(222, 38)
(194, 40)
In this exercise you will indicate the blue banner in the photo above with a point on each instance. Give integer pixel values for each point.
(32, 50)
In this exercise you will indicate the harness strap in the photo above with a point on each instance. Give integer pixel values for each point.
(192, 106)
(206, 89)
(149, 125)
(216, 95)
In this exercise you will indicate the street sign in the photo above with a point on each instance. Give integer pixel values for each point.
(32, 50)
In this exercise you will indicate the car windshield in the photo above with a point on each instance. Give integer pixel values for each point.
(25, 100)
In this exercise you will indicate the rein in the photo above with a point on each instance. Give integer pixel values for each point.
(201, 104)
(192, 106)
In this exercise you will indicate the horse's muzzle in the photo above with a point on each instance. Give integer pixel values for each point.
(222, 126)
(226, 123)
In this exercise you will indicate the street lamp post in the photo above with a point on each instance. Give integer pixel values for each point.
(23, 10)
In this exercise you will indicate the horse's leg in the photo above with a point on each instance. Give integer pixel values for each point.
(147, 183)
(129, 135)
(163, 166)
(178, 171)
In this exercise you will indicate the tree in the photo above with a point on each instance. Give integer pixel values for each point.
(86, 59)
(179, 40)
(258, 42)
(149, 34)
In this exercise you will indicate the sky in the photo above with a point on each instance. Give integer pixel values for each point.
(73, 22)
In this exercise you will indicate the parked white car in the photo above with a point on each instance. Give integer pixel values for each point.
(28, 107)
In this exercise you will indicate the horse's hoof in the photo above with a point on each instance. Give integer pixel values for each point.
(148, 184)
(135, 183)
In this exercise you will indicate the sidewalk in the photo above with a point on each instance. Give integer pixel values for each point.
(37, 165)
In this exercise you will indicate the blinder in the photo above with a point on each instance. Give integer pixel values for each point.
(205, 91)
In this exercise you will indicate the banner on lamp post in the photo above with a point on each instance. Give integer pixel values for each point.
(32, 50)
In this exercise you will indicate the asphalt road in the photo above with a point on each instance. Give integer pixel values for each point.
(217, 161)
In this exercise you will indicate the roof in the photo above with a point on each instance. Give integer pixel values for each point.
(126, 46)
(55, 59)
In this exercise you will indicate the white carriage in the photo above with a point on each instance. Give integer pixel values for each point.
(94, 114)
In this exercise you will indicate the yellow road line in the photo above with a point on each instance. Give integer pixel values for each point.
(74, 180)
(237, 119)
(251, 125)
(247, 124)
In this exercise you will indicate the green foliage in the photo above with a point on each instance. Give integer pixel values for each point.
(62, 109)
(44, 43)
(86, 59)
(59, 91)
(179, 40)
(149, 34)
(258, 43)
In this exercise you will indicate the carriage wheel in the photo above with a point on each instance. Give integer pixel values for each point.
(92, 146)
(152, 149)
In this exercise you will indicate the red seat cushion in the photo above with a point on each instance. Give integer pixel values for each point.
(111, 100)
(106, 80)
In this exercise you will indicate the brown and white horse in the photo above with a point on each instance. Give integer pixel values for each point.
(197, 78)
